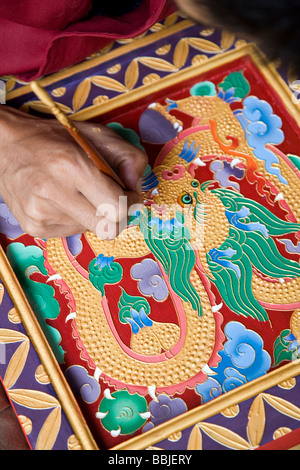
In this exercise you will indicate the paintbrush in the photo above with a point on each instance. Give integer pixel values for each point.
(81, 140)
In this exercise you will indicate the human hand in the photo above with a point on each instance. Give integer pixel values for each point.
(53, 189)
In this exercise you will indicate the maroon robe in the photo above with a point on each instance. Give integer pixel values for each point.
(38, 37)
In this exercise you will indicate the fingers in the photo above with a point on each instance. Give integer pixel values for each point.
(42, 219)
(127, 160)
(106, 196)
(55, 190)
(37, 230)
(71, 212)
(45, 219)
(81, 199)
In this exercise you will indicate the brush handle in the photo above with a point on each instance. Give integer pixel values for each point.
(82, 141)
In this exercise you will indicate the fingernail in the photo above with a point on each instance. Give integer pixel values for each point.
(139, 186)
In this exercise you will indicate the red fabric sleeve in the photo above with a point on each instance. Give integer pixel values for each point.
(33, 45)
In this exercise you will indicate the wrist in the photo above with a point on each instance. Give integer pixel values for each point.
(7, 120)
(11, 124)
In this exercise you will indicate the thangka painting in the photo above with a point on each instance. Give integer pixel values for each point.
(200, 293)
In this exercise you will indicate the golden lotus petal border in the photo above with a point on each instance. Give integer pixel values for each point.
(251, 50)
(41, 345)
(98, 60)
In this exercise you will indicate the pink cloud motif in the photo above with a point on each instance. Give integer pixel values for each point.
(175, 173)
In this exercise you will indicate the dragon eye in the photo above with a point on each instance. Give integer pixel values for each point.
(185, 199)
(195, 183)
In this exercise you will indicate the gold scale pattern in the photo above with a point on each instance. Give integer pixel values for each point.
(109, 356)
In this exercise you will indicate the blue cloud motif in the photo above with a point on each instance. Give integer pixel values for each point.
(210, 389)
(233, 379)
(167, 224)
(219, 256)
(234, 219)
(262, 127)
(243, 359)
(103, 261)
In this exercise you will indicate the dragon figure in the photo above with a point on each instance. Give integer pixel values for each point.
(198, 231)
